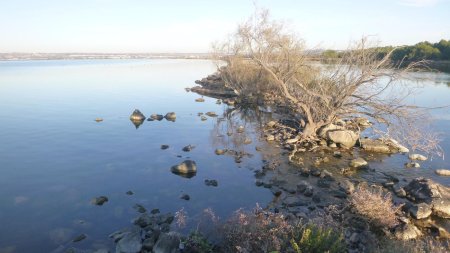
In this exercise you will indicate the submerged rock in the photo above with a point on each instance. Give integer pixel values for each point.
(79, 238)
(187, 167)
(211, 182)
(99, 201)
(418, 157)
(185, 197)
(131, 242)
(164, 146)
(203, 118)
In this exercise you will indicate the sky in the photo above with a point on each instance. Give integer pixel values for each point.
(182, 26)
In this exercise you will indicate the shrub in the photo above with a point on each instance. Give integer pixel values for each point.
(197, 243)
(376, 206)
(316, 239)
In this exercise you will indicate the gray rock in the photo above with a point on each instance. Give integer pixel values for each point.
(420, 211)
(347, 186)
(407, 232)
(163, 147)
(188, 148)
(211, 182)
(376, 146)
(240, 129)
(292, 201)
(426, 190)
(346, 138)
(309, 191)
(171, 116)
(137, 116)
(301, 187)
(399, 191)
(167, 243)
(358, 162)
(130, 243)
(186, 167)
(417, 157)
(330, 127)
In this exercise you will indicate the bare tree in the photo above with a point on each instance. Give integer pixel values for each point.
(266, 59)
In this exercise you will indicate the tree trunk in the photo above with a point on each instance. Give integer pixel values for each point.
(310, 130)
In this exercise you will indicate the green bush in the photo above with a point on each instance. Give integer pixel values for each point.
(315, 239)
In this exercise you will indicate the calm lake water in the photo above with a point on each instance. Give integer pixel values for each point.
(54, 158)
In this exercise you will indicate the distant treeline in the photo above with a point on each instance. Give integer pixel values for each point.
(421, 51)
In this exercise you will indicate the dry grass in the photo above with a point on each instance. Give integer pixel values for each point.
(256, 231)
(375, 205)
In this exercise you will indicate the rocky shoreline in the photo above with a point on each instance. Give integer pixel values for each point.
(310, 189)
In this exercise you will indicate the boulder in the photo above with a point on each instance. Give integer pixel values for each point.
(346, 138)
(130, 243)
(376, 146)
(330, 127)
(443, 172)
(407, 232)
(358, 162)
(395, 144)
(422, 190)
(418, 157)
(420, 211)
(171, 116)
(412, 165)
(137, 116)
(167, 243)
(187, 167)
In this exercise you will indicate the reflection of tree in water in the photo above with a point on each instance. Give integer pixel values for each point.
(225, 133)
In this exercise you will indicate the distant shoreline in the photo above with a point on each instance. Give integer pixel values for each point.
(99, 56)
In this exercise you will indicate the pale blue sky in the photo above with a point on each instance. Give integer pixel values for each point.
(191, 26)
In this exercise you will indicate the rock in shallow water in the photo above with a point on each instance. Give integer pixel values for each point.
(130, 243)
(417, 157)
(171, 116)
(358, 162)
(443, 172)
(167, 243)
(99, 200)
(188, 167)
(346, 138)
(137, 116)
